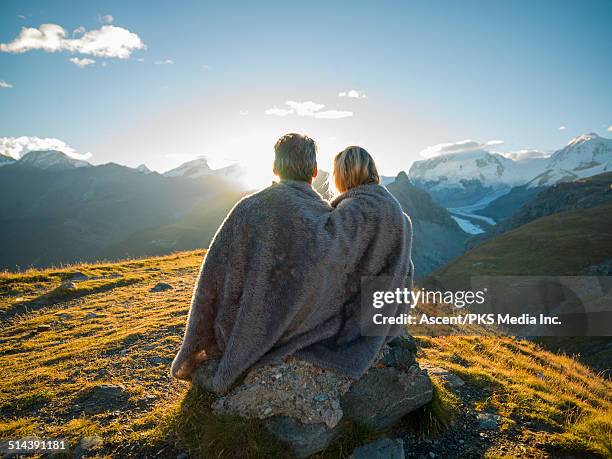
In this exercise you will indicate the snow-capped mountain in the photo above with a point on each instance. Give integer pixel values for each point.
(193, 169)
(5, 160)
(460, 179)
(51, 159)
(143, 169)
(200, 168)
(584, 156)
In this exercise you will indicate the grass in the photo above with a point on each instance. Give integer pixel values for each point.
(118, 332)
(529, 383)
(560, 244)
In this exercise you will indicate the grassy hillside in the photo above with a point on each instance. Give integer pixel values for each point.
(562, 244)
(92, 359)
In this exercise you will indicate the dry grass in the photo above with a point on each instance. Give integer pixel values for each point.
(530, 383)
(115, 331)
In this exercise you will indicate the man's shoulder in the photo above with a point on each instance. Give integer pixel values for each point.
(281, 195)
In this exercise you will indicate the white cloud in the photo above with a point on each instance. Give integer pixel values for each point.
(16, 147)
(107, 41)
(21, 16)
(458, 147)
(353, 94)
(562, 128)
(140, 59)
(206, 67)
(164, 62)
(78, 31)
(521, 155)
(275, 111)
(106, 19)
(610, 128)
(244, 112)
(4, 84)
(309, 109)
(82, 63)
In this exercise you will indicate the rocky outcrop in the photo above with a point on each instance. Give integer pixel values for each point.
(306, 407)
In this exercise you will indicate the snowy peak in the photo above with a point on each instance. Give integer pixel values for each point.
(143, 169)
(200, 168)
(51, 160)
(191, 169)
(584, 156)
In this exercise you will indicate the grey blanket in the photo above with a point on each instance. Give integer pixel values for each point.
(282, 277)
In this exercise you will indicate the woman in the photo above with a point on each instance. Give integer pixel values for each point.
(369, 228)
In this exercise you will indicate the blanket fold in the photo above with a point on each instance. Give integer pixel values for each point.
(282, 277)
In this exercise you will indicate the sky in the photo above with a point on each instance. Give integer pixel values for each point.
(164, 82)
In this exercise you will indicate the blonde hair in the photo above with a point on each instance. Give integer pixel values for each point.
(354, 166)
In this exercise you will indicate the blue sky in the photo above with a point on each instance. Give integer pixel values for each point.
(433, 72)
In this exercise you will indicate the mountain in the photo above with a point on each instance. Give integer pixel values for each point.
(562, 197)
(584, 156)
(50, 160)
(573, 243)
(63, 212)
(194, 230)
(508, 203)
(199, 168)
(143, 169)
(191, 169)
(461, 179)
(565, 244)
(437, 238)
(6, 160)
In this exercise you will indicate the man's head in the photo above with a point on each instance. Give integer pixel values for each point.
(295, 158)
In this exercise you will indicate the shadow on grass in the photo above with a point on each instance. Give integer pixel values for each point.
(63, 293)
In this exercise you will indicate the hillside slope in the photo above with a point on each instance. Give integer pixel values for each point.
(567, 243)
(562, 197)
(91, 359)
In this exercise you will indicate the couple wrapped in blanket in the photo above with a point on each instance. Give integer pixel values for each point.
(282, 276)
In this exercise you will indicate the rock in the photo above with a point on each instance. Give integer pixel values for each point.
(156, 360)
(488, 421)
(398, 357)
(204, 374)
(92, 315)
(103, 397)
(384, 448)
(161, 287)
(384, 395)
(449, 378)
(309, 394)
(303, 440)
(43, 327)
(305, 406)
(182, 456)
(404, 342)
(67, 285)
(87, 445)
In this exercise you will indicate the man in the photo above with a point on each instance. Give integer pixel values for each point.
(274, 282)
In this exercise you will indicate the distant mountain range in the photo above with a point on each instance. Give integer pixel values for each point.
(462, 179)
(63, 210)
(66, 210)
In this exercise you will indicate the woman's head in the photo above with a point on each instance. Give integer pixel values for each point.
(354, 166)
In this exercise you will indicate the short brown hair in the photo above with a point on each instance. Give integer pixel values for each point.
(295, 157)
(354, 166)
